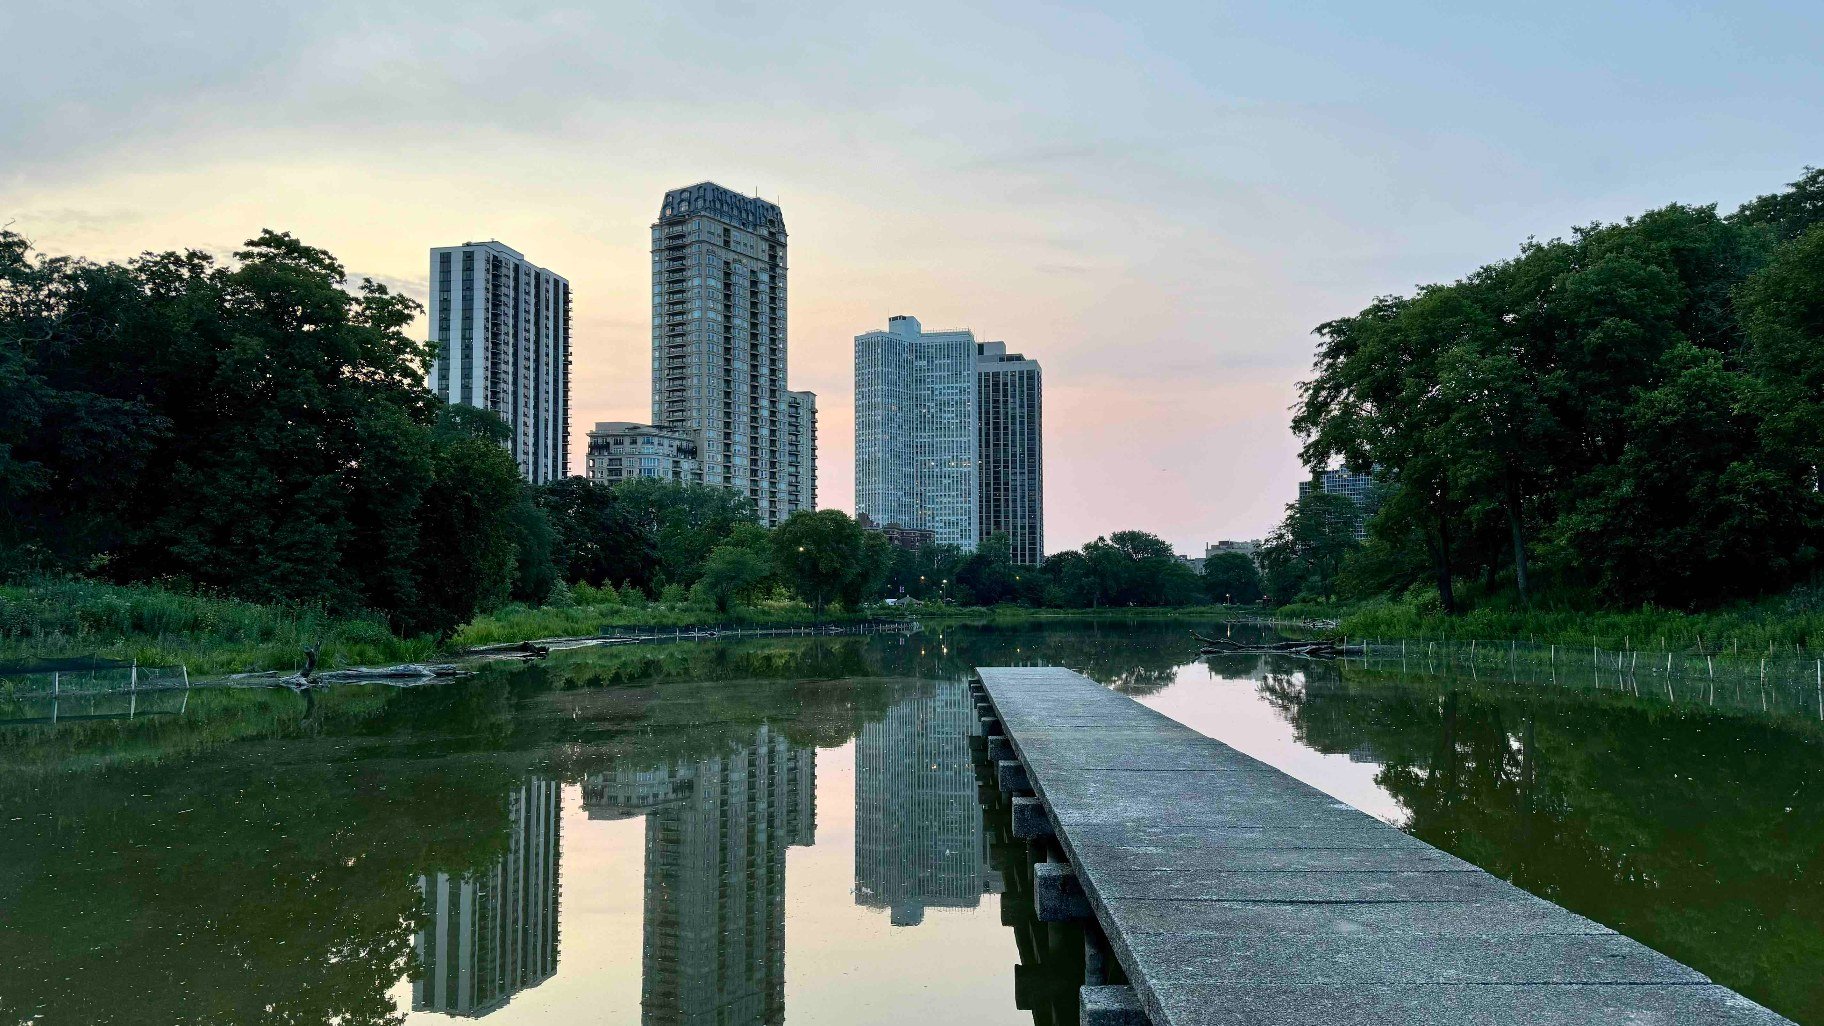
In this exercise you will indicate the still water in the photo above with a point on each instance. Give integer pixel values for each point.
(756, 832)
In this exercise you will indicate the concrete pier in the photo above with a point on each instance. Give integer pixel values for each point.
(1234, 895)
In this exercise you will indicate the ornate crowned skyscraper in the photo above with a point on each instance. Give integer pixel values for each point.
(719, 343)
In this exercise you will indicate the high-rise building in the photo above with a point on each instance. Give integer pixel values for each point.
(919, 840)
(619, 450)
(1364, 489)
(719, 340)
(801, 450)
(1010, 399)
(500, 327)
(492, 932)
(917, 436)
(949, 438)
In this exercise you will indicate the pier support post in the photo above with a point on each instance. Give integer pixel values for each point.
(1058, 894)
(991, 726)
(1000, 748)
(1110, 1006)
(1096, 955)
(1011, 777)
(1030, 820)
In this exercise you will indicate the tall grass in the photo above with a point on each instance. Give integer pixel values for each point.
(1776, 625)
(156, 626)
(525, 623)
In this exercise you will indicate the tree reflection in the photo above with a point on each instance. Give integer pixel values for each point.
(1698, 833)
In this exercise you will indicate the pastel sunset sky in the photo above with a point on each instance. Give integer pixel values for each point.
(1158, 201)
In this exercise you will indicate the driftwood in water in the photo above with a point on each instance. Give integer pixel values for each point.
(1314, 649)
(540, 648)
(404, 673)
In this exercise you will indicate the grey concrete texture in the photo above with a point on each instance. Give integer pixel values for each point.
(1011, 777)
(1455, 1005)
(1057, 894)
(1261, 960)
(1340, 836)
(1161, 858)
(1284, 921)
(1110, 1006)
(1233, 894)
(1030, 820)
(1209, 885)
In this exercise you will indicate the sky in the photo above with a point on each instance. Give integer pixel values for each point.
(1158, 201)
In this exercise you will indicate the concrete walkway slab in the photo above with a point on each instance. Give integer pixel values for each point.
(1234, 895)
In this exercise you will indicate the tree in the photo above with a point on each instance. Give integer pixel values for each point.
(600, 537)
(684, 521)
(260, 429)
(817, 553)
(869, 574)
(738, 569)
(1304, 555)
(1231, 577)
(986, 575)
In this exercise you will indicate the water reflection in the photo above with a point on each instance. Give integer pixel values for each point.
(399, 852)
(714, 947)
(919, 839)
(489, 934)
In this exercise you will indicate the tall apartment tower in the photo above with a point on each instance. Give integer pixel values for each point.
(801, 450)
(719, 340)
(501, 328)
(916, 437)
(1010, 393)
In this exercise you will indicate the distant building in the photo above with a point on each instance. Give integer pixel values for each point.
(908, 537)
(1365, 489)
(620, 450)
(917, 441)
(719, 343)
(1010, 405)
(1194, 562)
(1247, 548)
(492, 932)
(801, 450)
(949, 437)
(500, 329)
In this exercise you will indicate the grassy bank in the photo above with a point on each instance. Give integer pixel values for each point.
(156, 627)
(1778, 625)
(525, 623)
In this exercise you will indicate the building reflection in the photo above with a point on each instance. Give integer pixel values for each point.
(716, 834)
(919, 841)
(492, 933)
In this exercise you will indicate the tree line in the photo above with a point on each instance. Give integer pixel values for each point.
(260, 428)
(1633, 415)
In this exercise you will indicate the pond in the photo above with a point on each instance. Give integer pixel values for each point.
(799, 829)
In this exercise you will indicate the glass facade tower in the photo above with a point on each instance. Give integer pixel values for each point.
(916, 436)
